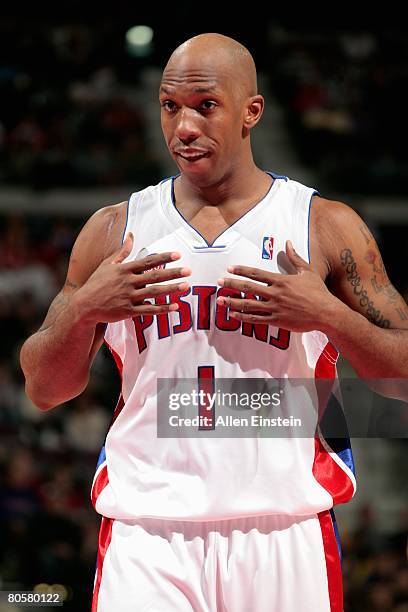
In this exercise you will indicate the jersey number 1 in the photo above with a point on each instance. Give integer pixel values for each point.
(206, 389)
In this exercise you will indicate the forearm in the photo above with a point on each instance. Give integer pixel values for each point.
(56, 360)
(374, 352)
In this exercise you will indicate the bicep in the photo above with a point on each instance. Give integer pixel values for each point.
(80, 267)
(99, 238)
(358, 276)
(364, 285)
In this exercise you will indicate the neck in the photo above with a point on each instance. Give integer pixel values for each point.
(237, 185)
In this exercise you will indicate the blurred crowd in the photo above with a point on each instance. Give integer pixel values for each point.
(345, 97)
(48, 528)
(68, 112)
(375, 570)
(69, 117)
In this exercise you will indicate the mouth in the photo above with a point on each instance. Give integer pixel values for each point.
(193, 156)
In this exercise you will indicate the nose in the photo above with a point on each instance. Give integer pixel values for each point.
(187, 129)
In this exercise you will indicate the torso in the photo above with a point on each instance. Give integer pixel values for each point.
(201, 479)
(210, 223)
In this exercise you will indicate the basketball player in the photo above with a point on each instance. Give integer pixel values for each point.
(202, 524)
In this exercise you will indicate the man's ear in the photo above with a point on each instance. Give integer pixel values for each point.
(253, 111)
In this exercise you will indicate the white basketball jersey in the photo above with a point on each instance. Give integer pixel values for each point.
(141, 475)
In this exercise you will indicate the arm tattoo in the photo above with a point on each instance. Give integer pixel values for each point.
(353, 277)
(402, 313)
(366, 233)
(380, 283)
(68, 283)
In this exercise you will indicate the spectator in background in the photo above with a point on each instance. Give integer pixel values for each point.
(86, 424)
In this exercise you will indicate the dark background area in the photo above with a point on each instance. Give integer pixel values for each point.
(67, 122)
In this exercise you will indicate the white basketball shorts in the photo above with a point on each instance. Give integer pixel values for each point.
(254, 564)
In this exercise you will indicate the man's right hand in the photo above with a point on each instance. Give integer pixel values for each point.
(100, 288)
(117, 290)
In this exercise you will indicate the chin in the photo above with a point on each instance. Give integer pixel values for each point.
(197, 174)
(201, 179)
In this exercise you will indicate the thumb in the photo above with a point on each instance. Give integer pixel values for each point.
(124, 250)
(295, 259)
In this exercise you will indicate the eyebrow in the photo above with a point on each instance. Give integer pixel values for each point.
(207, 89)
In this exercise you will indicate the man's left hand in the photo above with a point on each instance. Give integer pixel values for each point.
(298, 302)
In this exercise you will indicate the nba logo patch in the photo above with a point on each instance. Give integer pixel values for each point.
(267, 247)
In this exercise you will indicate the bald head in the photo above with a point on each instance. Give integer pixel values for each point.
(221, 55)
(209, 104)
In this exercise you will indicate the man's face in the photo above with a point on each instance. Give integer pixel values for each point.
(201, 117)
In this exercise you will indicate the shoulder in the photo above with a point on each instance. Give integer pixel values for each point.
(103, 232)
(107, 224)
(108, 217)
(333, 225)
(326, 211)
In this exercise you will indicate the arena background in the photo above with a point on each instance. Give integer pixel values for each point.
(79, 129)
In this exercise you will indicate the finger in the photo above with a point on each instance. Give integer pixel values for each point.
(124, 250)
(285, 266)
(245, 286)
(159, 276)
(147, 308)
(245, 305)
(253, 318)
(257, 274)
(151, 261)
(295, 259)
(154, 290)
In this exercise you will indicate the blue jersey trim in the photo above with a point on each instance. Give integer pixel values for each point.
(169, 178)
(346, 455)
(336, 533)
(334, 419)
(102, 457)
(219, 246)
(278, 176)
(173, 200)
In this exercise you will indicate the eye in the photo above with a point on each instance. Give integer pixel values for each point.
(208, 105)
(168, 105)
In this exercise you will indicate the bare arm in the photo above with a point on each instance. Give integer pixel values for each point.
(99, 289)
(359, 309)
(56, 359)
(369, 321)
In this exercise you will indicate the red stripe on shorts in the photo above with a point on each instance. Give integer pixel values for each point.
(332, 557)
(105, 536)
